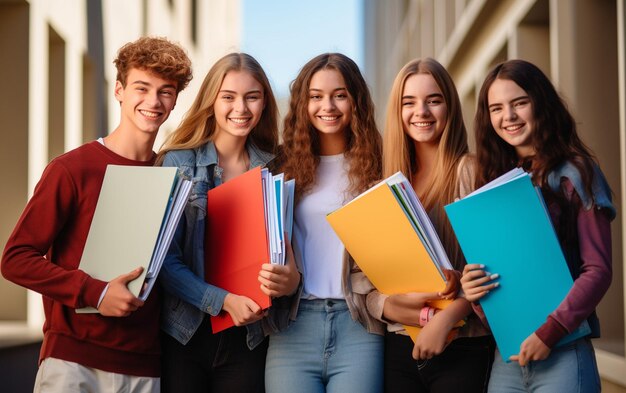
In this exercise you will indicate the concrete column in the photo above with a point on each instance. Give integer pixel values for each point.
(585, 69)
(14, 18)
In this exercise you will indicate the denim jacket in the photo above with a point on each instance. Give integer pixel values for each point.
(187, 297)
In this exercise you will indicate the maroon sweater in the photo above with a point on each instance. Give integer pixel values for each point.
(43, 254)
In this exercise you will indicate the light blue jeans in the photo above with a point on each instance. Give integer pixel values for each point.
(571, 368)
(324, 350)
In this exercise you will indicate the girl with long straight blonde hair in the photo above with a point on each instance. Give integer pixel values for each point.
(199, 124)
(425, 139)
(230, 128)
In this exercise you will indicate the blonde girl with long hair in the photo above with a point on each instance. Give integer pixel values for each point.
(230, 128)
(425, 138)
(332, 149)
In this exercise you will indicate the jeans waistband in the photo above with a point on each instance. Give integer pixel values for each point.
(326, 305)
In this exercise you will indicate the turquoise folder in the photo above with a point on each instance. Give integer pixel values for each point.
(507, 228)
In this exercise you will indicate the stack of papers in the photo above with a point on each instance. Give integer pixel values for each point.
(389, 235)
(247, 218)
(133, 225)
(278, 196)
(505, 225)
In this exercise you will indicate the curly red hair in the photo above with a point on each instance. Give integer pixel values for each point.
(156, 55)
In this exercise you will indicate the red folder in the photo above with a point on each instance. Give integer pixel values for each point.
(236, 240)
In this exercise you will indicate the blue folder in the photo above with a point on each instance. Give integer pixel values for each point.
(508, 229)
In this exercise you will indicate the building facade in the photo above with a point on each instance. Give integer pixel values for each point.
(58, 77)
(579, 44)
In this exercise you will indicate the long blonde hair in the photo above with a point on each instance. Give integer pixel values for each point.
(399, 151)
(301, 146)
(199, 125)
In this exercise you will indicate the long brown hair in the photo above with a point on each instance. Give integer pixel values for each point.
(301, 147)
(554, 139)
(399, 150)
(199, 125)
(554, 136)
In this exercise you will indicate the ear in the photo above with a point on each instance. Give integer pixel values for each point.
(119, 91)
(175, 101)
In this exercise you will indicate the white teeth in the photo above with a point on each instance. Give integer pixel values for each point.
(514, 127)
(329, 118)
(238, 121)
(423, 124)
(149, 114)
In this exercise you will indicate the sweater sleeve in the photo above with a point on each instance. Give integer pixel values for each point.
(466, 174)
(375, 304)
(594, 233)
(24, 261)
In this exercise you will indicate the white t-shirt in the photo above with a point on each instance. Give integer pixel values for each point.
(322, 251)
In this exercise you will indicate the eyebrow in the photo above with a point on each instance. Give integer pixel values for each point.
(335, 90)
(234, 92)
(513, 100)
(143, 83)
(438, 95)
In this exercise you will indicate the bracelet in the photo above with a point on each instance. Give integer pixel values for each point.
(426, 314)
(431, 313)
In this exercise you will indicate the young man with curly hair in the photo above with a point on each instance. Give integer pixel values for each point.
(116, 349)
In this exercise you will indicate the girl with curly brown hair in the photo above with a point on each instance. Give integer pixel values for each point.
(332, 150)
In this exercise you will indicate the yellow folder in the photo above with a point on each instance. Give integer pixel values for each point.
(381, 238)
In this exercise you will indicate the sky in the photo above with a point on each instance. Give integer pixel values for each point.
(284, 34)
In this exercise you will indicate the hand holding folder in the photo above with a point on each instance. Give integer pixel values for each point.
(280, 280)
(389, 235)
(505, 226)
(116, 302)
(241, 309)
(245, 224)
(137, 212)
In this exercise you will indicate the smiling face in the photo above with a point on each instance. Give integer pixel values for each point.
(424, 110)
(330, 108)
(511, 113)
(239, 104)
(146, 101)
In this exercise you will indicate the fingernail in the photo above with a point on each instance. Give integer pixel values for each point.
(494, 276)
(481, 266)
(496, 285)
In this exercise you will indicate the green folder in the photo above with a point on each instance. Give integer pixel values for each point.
(137, 211)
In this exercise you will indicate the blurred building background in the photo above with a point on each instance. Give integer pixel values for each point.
(579, 44)
(57, 76)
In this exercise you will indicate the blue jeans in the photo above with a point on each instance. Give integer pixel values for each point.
(324, 350)
(571, 368)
